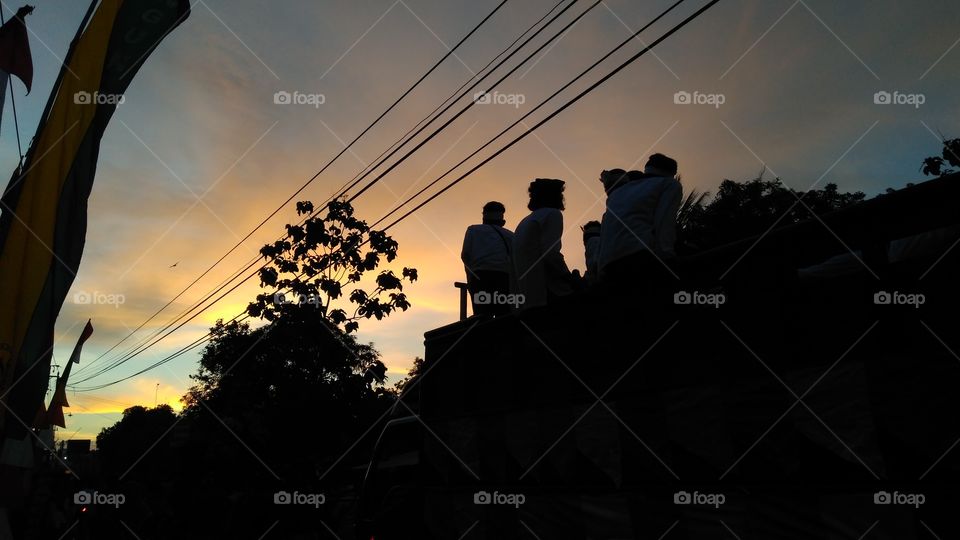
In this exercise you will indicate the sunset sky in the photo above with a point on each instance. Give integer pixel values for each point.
(199, 153)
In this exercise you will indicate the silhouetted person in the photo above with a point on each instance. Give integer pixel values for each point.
(542, 274)
(639, 226)
(486, 257)
(591, 250)
(612, 179)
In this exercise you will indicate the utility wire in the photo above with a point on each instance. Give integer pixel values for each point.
(314, 177)
(555, 113)
(435, 116)
(529, 57)
(566, 105)
(530, 113)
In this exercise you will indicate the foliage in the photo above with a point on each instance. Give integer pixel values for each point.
(745, 209)
(690, 206)
(323, 260)
(137, 438)
(293, 404)
(412, 374)
(934, 166)
(299, 375)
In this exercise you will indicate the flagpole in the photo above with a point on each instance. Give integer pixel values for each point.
(40, 125)
(13, 102)
(16, 123)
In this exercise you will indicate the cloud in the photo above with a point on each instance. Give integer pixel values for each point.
(797, 100)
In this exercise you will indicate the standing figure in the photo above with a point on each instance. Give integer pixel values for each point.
(486, 257)
(541, 272)
(639, 226)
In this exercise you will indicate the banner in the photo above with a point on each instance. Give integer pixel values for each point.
(54, 413)
(44, 209)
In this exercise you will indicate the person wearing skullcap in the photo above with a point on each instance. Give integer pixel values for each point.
(487, 259)
(638, 230)
(541, 272)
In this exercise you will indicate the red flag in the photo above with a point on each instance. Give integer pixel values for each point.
(54, 414)
(15, 57)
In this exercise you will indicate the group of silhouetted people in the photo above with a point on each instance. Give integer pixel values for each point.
(631, 247)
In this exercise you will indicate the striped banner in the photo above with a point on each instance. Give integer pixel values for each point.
(44, 219)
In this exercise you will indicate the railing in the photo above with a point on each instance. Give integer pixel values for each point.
(463, 299)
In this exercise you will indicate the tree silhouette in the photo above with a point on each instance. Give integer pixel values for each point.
(745, 209)
(412, 374)
(267, 383)
(934, 166)
(323, 261)
(292, 404)
(137, 438)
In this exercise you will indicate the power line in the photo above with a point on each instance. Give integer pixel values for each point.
(561, 109)
(86, 368)
(159, 363)
(123, 360)
(558, 111)
(530, 113)
(315, 176)
(555, 36)
(566, 105)
(140, 346)
(339, 192)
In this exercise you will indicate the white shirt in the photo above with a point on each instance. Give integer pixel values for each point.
(486, 248)
(641, 214)
(537, 260)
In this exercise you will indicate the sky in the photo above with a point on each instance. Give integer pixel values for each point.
(200, 152)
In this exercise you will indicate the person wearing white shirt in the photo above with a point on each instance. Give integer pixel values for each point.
(638, 231)
(541, 272)
(486, 257)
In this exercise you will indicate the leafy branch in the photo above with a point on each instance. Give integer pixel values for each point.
(322, 261)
